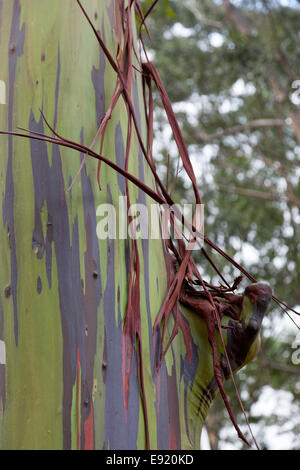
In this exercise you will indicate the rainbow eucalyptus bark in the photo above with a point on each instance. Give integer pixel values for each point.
(64, 291)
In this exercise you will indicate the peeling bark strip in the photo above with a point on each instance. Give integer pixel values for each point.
(118, 345)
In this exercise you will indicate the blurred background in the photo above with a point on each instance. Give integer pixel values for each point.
(232, 72)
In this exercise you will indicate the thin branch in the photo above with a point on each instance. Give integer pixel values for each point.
(251, 193)
(287, 197)
(281, 169)
(242, 23)
(282, 367)
(255, 124)
(199, 17)
(277, 365)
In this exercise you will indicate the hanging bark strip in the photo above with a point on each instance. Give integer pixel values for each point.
(78, 387)
(186, 271)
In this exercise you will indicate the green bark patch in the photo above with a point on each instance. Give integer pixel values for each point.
(101, 352)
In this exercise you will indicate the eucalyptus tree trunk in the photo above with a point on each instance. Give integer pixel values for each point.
(64, 291)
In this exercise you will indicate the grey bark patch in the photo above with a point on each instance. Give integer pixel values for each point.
(17, 37)
(93, 292)
(120, 156)
(48, 248)
(2, 362)
(121, 433)
(38, 242)
(162, 411)
(8, 291)
(68, 265)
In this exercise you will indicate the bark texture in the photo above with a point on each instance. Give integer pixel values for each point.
(63, 291)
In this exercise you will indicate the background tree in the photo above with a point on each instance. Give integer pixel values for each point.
(231, 71)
